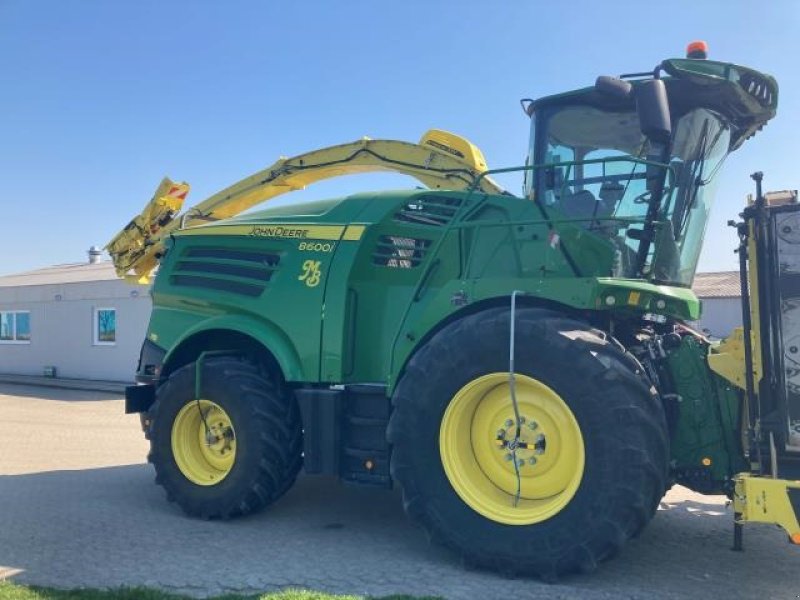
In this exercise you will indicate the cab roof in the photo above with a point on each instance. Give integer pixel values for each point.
(746, 97)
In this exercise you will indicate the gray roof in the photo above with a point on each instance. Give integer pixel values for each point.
(59, 274)
(721, 284)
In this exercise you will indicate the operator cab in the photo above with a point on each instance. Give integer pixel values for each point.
(637, 166)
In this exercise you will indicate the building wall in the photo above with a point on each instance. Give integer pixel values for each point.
(720, 316)
(62, 330)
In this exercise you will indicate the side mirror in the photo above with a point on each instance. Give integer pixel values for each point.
(652, 106)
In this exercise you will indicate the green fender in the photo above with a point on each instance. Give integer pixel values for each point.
(265, 333)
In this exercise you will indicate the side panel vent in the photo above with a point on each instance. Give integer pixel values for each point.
(400, 252)
(251, 256)
(436, 211)
(220, 285)
(242, 272)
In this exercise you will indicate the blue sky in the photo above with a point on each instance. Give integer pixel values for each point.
(99, 100)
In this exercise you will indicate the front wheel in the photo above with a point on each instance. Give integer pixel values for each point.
(234, 450)
(586, 471)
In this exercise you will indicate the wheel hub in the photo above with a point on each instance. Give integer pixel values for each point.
(528, 445)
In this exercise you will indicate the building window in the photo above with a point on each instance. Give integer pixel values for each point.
(105, 326)
(15, 327)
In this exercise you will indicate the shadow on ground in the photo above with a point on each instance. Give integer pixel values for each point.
(113, 527)
(22, 390)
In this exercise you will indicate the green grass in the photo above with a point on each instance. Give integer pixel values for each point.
(11, 591)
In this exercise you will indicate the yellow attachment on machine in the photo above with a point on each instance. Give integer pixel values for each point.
(766, 500)
(130, 245)
(726, 358)
(441, 160)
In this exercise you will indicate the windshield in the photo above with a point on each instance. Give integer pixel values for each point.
(600, 172)
(595, 172)
(700, 145)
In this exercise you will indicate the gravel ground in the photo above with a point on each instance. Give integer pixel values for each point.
(78, 507)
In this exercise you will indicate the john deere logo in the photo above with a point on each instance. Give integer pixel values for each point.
(278, 232)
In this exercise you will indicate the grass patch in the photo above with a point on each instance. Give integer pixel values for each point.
(12, 591)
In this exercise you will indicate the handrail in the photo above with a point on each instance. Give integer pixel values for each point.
(631, 159)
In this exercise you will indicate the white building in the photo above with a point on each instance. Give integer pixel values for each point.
(721, 295)
(80, 319)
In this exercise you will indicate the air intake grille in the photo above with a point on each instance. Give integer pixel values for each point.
(758, 87)
(242, 272)
(429, 210)
(399, 252)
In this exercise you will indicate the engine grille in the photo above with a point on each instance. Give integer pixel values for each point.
(241, 272)
(436, 211)
(400, 252)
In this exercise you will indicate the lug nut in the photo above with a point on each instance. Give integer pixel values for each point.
(501, 433)
(521, 419)
(509, 423)
(533, 425)
(520, 462)
(509, 457)
(532, 460)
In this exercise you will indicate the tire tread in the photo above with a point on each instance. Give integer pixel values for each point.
(632, 409)
(280, 441)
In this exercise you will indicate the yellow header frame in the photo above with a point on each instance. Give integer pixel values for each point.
(441, 160)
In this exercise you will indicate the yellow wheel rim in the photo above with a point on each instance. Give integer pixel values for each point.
(204, 456)
(473, 443)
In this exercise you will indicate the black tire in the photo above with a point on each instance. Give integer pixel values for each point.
(620, 417)
(268, 431)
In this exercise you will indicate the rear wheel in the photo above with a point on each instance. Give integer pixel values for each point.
(231, 452)
(586, 472)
